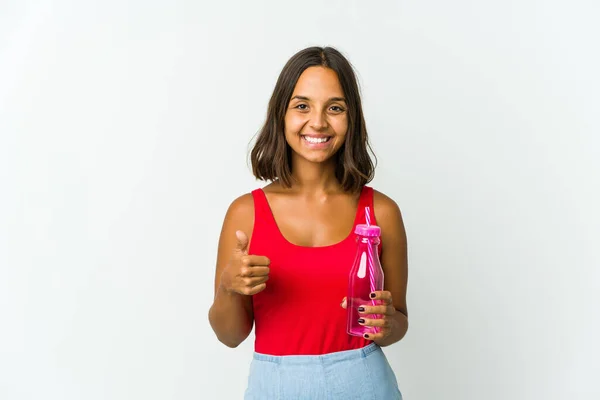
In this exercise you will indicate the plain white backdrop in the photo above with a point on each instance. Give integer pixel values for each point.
(124, 130)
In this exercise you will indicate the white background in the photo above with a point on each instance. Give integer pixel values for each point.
(124, 130)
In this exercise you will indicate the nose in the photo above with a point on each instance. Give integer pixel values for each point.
(318, 120)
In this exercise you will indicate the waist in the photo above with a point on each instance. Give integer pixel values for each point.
(319, 359)
(298, 330)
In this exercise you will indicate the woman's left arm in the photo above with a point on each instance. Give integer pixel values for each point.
(393, 318)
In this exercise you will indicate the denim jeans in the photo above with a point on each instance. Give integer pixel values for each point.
(346, 375)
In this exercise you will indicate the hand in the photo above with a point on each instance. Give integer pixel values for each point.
(245, 274)
(383, 313)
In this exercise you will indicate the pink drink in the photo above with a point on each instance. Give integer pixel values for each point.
(366, 276)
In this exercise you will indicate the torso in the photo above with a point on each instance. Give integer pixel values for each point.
(311, 246)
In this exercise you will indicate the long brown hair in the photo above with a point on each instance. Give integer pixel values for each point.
(270, 155)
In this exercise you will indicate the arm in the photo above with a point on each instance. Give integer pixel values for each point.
(394, 261)
(230, 315)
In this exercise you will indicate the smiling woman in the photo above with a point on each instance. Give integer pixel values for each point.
(286, 250)
(316, 97)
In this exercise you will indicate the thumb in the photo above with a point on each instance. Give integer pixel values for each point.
(242, 242)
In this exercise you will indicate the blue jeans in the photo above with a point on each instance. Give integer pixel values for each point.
(346, 375)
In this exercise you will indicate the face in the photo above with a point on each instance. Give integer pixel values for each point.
(316, 120)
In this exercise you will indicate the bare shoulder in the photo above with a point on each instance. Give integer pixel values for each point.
(241, 213)
(385, 208)
(242, 205)
(389, 217)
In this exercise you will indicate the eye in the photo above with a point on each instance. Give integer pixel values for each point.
(337, 109)
(301, 106)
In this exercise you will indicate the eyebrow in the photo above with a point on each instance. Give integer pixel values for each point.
(307, 99)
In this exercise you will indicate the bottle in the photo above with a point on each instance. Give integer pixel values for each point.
(366, 277)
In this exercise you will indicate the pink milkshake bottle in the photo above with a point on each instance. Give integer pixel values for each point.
(366, 276)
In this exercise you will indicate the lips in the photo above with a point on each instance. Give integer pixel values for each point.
(316, 139)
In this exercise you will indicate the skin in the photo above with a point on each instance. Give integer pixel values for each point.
(314, 211)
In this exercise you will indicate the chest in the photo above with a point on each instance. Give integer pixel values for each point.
(314, 223)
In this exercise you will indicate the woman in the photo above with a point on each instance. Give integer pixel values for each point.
(285, 250)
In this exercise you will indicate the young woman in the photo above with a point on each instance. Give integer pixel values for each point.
(285, 250)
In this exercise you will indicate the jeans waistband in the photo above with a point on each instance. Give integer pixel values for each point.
(321, 358)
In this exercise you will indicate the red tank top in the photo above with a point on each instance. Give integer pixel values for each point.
(299, 312)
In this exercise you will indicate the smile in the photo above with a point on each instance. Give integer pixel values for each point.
(316, 140)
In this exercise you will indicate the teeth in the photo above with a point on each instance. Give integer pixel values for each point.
(315, 140)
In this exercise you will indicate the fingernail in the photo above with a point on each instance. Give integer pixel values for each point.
(361, 309)
(373, 295)
(366, 335)
(361, 320)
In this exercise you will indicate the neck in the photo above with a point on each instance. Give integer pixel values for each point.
(309, 177)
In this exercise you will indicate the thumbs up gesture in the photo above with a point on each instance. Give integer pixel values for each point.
(245, 274)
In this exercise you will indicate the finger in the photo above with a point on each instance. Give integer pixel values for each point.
(383, 295)
(344, 303)
(255, 261)
(242, 242)
(254, 271)
(378, 322)
(255, 281)
(377, 310)
(250, 291)
(382, 334)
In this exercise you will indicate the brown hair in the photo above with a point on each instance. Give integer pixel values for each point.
(270, 155)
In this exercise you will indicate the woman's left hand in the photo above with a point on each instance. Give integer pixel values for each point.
(383, 313)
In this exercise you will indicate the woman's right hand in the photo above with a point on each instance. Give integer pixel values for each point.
(245, 274)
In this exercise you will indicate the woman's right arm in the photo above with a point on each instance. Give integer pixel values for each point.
(238, 276)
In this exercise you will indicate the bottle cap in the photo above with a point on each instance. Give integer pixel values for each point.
(367, 230)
